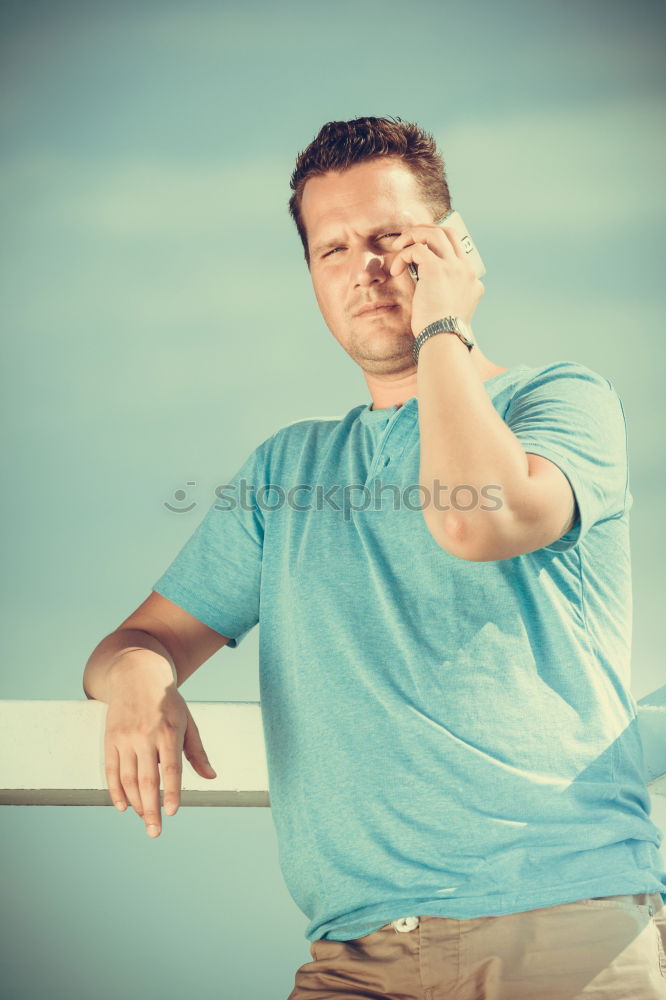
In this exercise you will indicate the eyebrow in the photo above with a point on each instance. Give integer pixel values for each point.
(336, 241)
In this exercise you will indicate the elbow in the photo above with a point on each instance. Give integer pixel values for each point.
(472, 539)
(456, 536)
(483, 530)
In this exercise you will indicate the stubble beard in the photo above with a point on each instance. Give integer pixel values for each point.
(381, 351)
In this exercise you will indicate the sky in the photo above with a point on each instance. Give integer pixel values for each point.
(159, 322)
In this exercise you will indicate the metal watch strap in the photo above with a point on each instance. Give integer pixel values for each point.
(449, 324)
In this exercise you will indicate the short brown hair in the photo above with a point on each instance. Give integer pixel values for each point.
(340, 145)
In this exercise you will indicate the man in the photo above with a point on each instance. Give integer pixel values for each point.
(454, 765)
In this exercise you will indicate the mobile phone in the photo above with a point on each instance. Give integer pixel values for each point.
(454, 221)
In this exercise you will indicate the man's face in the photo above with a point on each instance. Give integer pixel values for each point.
(351, 218)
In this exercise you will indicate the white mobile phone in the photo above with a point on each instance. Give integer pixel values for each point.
(453, 221)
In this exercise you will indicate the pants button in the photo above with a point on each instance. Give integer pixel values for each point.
(404, 924)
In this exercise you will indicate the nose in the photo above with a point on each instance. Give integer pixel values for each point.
(371, 268)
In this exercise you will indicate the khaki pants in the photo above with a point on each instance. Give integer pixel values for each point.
(609, 948)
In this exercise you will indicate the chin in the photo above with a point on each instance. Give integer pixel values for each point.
(374, 355)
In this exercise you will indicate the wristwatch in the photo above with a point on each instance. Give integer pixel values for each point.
(450, 324)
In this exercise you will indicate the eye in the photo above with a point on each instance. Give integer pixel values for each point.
(387, 236)
(329, 252)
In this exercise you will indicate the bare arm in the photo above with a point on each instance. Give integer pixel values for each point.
(136, 670)
(464, 440)
(158, 626)
(464, 443)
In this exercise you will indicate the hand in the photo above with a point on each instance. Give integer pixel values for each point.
(447, 285)
(146, 724)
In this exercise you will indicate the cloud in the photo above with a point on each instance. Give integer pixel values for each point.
(590, 166)
(134, 198)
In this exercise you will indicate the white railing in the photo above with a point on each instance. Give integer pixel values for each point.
(52, 752)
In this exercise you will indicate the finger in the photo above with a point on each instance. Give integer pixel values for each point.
(128, 778)
(454, 240)
(171, 766)
(111, 769)
(194, 750)
(148, 777)
(433, 237)
(415, 253)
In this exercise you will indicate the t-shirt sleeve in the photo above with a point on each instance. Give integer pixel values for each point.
(216, 575)
(574, 417)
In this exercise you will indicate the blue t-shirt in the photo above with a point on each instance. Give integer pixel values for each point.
(443, 737)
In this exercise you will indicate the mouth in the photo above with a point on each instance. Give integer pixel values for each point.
(376, 310)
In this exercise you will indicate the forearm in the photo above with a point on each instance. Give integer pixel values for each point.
(465, 443)
(123, 650)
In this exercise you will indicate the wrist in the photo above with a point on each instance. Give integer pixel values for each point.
(451, 325)
(139, 663)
